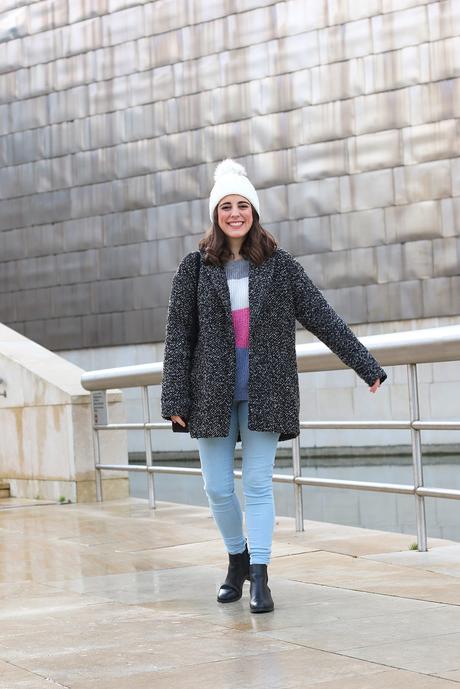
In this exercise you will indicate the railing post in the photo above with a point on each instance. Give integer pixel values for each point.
(417, 465)
(148, 446)
(97, 460)
(96, 446)
(298, 495)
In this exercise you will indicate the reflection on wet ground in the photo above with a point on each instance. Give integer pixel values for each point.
(114, 595)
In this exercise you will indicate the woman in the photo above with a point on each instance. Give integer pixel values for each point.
(230, 369)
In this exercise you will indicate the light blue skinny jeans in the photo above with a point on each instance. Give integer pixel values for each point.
(217, 459)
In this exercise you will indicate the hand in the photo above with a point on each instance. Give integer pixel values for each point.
(375, 386)
(177, 419)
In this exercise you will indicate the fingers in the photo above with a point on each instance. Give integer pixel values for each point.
(375, 386)
(177, 419)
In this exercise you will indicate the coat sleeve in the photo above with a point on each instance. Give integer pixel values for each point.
(317, 315)
(179, 341)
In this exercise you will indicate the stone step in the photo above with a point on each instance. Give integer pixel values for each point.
(4, 490)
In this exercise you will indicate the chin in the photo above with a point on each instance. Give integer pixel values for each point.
(240, 231)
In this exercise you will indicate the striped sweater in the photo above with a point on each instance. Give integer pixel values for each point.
(237, 272)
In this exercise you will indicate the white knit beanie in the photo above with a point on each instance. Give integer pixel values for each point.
(230, 178)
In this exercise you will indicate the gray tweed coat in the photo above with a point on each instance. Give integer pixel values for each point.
(198, 380)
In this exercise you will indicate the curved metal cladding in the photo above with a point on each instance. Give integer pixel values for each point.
(114, 114)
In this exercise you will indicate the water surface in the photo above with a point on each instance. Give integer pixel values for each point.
(384, 511)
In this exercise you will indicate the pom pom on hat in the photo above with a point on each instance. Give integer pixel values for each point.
(230, 178)
(229, 167)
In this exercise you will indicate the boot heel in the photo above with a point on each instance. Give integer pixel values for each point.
(261, 598)
(238, 572)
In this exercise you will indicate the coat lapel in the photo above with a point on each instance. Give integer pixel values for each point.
(260, 278)
(219, 282)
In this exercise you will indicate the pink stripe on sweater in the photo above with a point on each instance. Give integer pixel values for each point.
(241, 327)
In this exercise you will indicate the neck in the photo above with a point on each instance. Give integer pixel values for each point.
(235, 246)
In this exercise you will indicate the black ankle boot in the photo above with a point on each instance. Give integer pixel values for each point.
(238, 571)
(261, 597)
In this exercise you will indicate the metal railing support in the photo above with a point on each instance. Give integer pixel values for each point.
(298, 494)
(407, 348)
(417, 466)
(97, 461)
(148, 445)
(369, 486)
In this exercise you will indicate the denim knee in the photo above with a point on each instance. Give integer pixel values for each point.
(251, 493)
(257, 486)
(219, 494)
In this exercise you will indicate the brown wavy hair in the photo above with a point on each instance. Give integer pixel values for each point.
(258, 244)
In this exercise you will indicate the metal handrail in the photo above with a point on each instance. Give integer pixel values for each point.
(403, 348)
(410, 347)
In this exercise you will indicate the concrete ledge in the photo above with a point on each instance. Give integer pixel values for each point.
(47, 447)
(75, 491)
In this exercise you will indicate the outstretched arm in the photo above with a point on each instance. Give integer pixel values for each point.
(317, 315)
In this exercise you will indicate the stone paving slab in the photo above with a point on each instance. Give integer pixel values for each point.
(428, 655)
(18, 678)
(295, 668)
(106, 642)
(118, 596)
(351, 540)
(445, 560)
(208, 553)
(8, 503)
(359, 574)
(348, 633)
(454, 675)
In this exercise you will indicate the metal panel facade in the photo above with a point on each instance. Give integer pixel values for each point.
(114, 113)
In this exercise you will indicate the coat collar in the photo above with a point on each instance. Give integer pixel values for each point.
(260, 278)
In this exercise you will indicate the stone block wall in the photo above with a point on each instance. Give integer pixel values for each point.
(114, 113)
(46, 421)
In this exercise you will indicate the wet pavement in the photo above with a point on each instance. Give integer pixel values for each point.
(117, 596)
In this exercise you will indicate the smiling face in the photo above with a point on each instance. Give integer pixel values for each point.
(234, 215)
